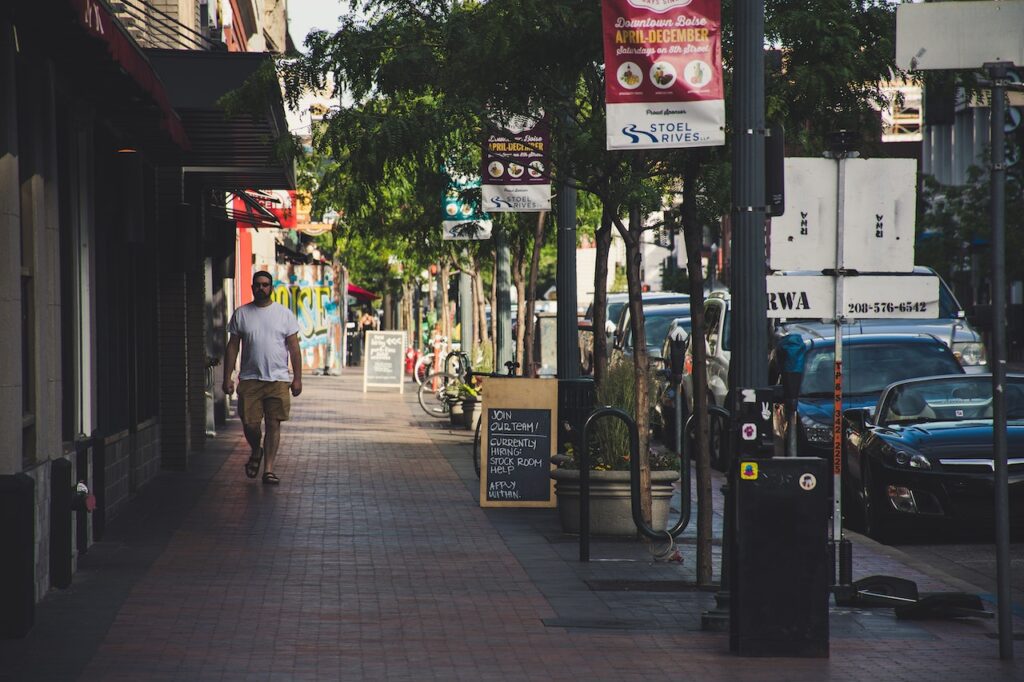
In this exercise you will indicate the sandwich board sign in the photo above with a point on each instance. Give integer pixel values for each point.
(520, 419)
(384, 360)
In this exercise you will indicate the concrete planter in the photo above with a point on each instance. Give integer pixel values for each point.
(455, 415)
(610, 512)
(472, 409)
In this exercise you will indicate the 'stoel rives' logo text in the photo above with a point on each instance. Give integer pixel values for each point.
(659, 6)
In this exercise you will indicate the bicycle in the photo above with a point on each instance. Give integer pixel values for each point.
(510, 371)
(440, 390)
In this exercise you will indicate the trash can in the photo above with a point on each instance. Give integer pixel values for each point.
(17, 560)
(781, 566)
(575, 403)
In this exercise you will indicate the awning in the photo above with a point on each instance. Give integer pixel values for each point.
(360, 293)
(227, 152)
(96, 56)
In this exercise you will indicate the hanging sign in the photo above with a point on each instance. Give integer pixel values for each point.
(461, 217)
(515, 167)
(663, 73)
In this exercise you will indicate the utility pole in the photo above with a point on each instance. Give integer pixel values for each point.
(749, 361)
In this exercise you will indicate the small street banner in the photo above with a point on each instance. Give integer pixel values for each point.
(663, 73)
(515, 167)
(462, 218)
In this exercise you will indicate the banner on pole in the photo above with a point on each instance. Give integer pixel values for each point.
(515, 167)
(663, 73)
(462, 218)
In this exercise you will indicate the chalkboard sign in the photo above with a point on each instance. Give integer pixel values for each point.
(384, 360)
(520, 416)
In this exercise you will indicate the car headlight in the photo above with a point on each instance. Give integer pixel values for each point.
(816, 432)
(969, 353)
(904, 458)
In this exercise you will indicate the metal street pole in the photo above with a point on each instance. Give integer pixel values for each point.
(466, 312)
(567, 332)
(749, 362)
(997, 72)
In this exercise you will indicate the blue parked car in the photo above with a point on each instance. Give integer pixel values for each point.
(870, 363)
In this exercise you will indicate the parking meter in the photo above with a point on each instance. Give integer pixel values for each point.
(791, 351)
(676, 359)
(677, 353)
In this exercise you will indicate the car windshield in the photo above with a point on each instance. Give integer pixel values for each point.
(949, 399)
(870, 367)
(656, 328)
(614, 309)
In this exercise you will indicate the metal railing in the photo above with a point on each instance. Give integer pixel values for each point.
(634, 483)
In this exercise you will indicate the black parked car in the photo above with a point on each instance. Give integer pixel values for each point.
(924, 454)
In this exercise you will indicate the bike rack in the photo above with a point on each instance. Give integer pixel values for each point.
(634, 483)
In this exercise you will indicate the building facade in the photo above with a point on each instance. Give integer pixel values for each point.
(114, 163)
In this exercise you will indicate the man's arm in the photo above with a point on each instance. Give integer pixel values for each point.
(292, 343)
(230, 356)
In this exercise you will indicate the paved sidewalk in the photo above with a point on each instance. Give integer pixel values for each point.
(372, 560)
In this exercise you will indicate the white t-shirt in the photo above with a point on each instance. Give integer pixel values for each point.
(263, 332)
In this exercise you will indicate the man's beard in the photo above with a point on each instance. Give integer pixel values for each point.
(261, 295)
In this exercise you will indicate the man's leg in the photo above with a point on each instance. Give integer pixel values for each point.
(253, 435)
(271, 442)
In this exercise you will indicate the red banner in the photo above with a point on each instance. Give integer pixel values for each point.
(663, 73)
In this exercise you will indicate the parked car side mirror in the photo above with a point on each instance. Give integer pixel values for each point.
(857, 417)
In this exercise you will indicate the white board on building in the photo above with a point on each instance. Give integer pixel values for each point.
(878, 197)
(959, 35)
(812, 297)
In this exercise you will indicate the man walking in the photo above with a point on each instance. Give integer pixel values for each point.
(268, 335)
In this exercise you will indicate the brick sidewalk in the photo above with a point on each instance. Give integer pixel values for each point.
(372, 560)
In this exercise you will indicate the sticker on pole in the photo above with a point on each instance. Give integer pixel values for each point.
(808, 482)
(749, 431)
(748, 471)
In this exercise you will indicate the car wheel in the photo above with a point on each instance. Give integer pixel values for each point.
(853, 505)
(875, 526)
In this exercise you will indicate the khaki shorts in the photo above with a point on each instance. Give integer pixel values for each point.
(258, 398)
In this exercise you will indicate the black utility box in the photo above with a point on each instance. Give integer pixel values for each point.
(780, 568)
(17, 555)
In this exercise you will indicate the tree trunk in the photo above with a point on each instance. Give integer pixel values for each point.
(636, 321)
(519, 279)
(531, 298)
(483, 336)
(446, 322)
(603, 239)
(693, 237)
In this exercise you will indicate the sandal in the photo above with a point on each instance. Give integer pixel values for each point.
(270, 478)
(252, 467)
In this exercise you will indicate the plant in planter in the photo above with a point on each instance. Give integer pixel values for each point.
(610, 511)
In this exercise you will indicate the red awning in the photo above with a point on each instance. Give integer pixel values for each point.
(97, 20)
(360, 293)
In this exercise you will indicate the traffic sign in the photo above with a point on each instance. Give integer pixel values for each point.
(878, 225)
(959, 35)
